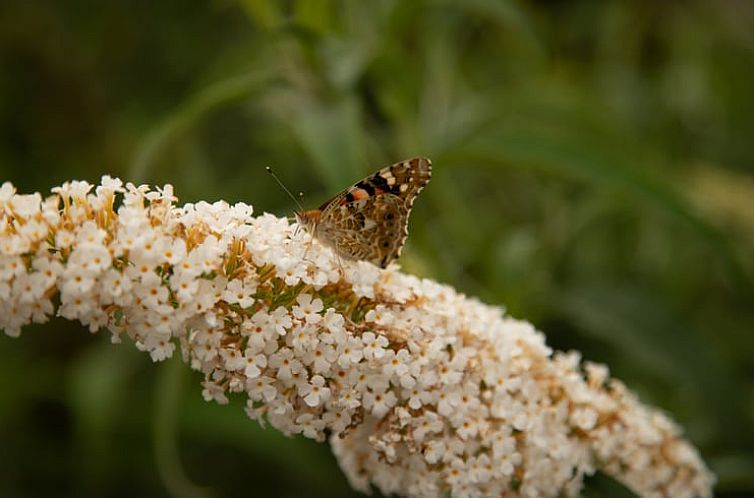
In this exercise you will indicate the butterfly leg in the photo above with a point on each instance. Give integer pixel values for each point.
(308, 248)
(340, 262)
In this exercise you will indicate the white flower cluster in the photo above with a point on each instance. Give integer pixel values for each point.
(424, 392)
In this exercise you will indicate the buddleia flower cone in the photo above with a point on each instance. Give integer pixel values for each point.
(422, 391)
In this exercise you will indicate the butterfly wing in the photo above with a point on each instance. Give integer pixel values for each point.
(369, 221)
(404, 180)
(373, 229)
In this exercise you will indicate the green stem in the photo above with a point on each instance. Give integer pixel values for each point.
(168, 396)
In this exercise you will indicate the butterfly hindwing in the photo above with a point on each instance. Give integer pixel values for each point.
(373, 229)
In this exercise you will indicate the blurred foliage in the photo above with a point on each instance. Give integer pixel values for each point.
(594, 172)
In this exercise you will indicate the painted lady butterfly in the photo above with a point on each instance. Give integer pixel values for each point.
(369, 220)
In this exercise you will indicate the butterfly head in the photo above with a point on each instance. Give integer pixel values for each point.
(308, 219)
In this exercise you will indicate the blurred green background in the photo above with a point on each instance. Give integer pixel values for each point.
(594, 173)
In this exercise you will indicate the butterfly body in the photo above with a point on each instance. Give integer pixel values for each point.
(369, 220)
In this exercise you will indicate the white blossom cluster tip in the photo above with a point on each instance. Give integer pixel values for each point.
(423, 391)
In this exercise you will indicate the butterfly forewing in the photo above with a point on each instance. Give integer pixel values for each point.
(369, 220)
(404, 180)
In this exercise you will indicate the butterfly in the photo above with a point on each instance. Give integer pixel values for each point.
(369, 220)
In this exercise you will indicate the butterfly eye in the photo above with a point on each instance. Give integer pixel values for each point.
(385, 243)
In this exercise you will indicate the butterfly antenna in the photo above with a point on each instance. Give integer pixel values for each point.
(300, 207)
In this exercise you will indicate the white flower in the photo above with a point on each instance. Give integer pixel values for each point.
(33, 231)
(64, 238)
(380, 315)
(374, 345)
(261, 389)
(11, 266)
(14, 245)
(254, 364)
(584, 418)
(76, 280)
(286, 364)
(337, 420)
(310, 427)
(419, 396)
(184, 285)
(280, 320)
(114, 284)
(90, 233)
(428, 423)
(150, 291)
(349, 400)
(351, 352)
(204, 343)
(49, 269)
(363, 277)
(238, 293)
(159, 345)
(214, 392)
(7, 193)
(303, 338)
(426, 392)
(468, 428)
(448, 401)
(321, 358)
(173, 251)
(75, 189)
(314, 392)
(259, 329)
(334, 325)
(378, 403)
(480, 468)
(308, 309)
(397, 365)
(29, 287)
(109, 186)
(435, 451)
(292, 270)
(233, 358)
(26, 206)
